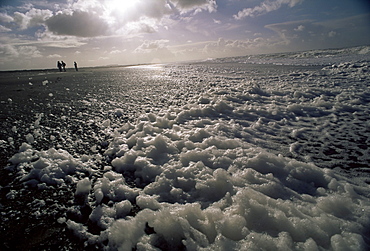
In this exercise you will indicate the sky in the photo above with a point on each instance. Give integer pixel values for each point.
(37, 34)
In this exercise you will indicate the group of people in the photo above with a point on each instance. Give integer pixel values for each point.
(62, 66)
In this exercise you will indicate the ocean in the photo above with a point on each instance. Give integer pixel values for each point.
(263, 152)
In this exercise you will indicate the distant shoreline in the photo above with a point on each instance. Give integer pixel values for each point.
(55, 70)
(313, 54)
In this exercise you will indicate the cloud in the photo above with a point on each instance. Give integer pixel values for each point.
(53, 41)
(80, 24)
(155, 51)
(8, 50)
(54, 56)
(33, 17)
(332, 34)
(265, 7)
(29, 51)
(196, 27)
(309, 34)
(232, 48)
(94, 18)
(141, 16)
(303, 30)
(24, 51)
(299, 28)
(63, 44)
(153, 9)
(4, 29)
(198, 5)
(5, 18)
(216, 21)
(143, 26)
(225, 48)
(117, 51)
(151, 46)
(145, 16)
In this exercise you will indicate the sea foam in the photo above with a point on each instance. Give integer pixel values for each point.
(233, 169)
(193, 178)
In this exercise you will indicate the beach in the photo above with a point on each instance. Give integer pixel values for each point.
(224, 154)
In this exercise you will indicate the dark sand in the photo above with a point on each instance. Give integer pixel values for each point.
(20, 85)
(68, 100)
(23, 93)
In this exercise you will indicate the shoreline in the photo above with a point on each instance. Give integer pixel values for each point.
(72, 69)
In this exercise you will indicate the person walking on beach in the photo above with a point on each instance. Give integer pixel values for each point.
(64, 66)
(75, 66)
(59, 64)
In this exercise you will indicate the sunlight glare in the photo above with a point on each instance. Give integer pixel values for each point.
(121, 6)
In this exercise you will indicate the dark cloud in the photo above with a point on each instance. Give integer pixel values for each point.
(91, 18)
(153, 9)
(80, 24)
(195, 4)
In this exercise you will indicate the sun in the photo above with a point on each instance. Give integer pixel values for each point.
(121, 6)
(118, 12)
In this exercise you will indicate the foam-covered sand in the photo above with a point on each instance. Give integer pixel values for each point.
(254, 159)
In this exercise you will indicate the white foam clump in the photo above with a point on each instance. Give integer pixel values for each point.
(191, 178)
(50, 167)
(83, 186)
(206, 189)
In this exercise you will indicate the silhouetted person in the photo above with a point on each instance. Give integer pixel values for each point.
(64, 66)
(75, 66)
(59, 64)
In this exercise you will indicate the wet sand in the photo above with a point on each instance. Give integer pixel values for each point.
(20, 85)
